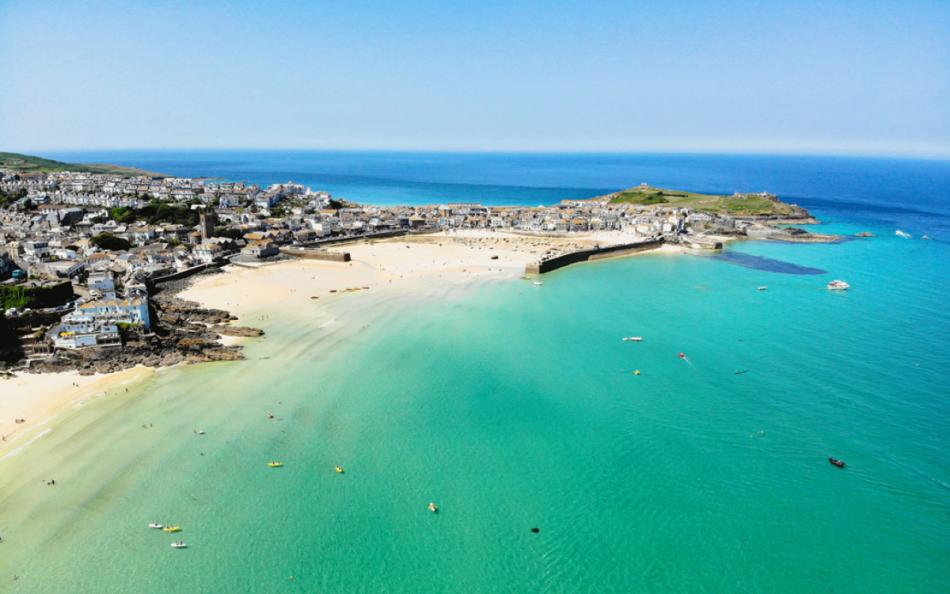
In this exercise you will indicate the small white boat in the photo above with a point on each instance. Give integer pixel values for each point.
(155, 525)
(199, 431)
(903, 234)
(633, 339)
(179, 545)
(537, 283)
(838, 285)
(925, 236)
(433, 507)
(762, 288)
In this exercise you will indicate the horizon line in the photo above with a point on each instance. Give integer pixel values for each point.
(929, 155)
(906, 155)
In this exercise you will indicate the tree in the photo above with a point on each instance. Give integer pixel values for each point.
(122, 214)
(108, 241)
(229, 232)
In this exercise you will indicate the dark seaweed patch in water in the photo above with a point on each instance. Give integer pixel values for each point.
(763, 263)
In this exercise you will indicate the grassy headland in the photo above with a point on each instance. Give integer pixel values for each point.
(31, 164)
(736, 205)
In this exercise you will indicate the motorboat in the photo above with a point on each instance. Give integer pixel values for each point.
(925, 236)
(340, 469)
(172, 528)
(903, 234)
(537, 283)
(433, 507)
(762, 288)
(836, 462)
(864, 234)
(633, 339)
(155, 525)
(838, 285)
(274, 464)
(179, 545)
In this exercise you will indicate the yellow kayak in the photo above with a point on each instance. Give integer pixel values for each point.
(340, 469)
(275, 464)
(172, 528)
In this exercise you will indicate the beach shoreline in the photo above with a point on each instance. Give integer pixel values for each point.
(404, 264)
(39, 398)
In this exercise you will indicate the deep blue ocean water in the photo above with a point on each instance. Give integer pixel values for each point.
(909, 194)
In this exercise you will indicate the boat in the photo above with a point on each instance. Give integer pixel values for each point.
(537, 283)
(633, 339)
(836, 462)
(762, 288)
(682, 355)
(838, 285)
(179, 545)
(864, 234)
(636, 372)
(903, 234)
(274, 464)
(340, 469)
(172, 528)
(925, 236)
(433, 507)
(155, 525)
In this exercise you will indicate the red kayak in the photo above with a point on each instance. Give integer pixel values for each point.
(836, 462)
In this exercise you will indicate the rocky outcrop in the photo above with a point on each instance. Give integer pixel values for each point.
(237, 331)
(182, 332)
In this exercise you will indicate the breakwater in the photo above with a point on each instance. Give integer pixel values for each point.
(597, 253)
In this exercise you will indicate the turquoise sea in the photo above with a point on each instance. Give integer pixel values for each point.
(515, 407)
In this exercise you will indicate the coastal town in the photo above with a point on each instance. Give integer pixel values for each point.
(88, 261)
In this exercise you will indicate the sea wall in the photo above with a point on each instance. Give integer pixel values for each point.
(612, 251)
(345, 238)
(316, 254)
(181, 274)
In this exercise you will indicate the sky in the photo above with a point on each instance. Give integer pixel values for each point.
(854, 77)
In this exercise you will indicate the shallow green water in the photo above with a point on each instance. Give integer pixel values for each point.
(514, 407)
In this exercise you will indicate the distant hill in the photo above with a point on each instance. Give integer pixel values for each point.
(31, 164)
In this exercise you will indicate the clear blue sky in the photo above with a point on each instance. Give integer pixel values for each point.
(802, 76)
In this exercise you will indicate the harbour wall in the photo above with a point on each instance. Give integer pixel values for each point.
(612, 251)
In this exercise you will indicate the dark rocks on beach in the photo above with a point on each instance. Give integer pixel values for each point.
(182, 332)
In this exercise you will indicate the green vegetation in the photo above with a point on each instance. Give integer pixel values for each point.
(30, 164)
(8, 199)
(229, 232)
(21, 296)
(156, 212)
(737, 205)
(108, 241)
(649, 196)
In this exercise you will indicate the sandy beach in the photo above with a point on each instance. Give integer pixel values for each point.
(448, 257)
(454, 257)
(37, 398)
